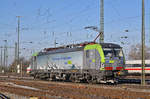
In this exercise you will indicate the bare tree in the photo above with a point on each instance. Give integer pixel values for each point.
(135, 52)
(25, 64)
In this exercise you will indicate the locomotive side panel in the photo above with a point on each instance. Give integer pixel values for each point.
(92, 59)
(69, 60)
(42, 61)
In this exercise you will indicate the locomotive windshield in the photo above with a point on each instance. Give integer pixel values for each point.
(108, 52)
(118, 52)
(113, 52)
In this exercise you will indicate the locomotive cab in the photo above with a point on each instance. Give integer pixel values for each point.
(114, 58)
(106, 59)
(114, 61)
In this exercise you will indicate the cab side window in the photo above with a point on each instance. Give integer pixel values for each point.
(87, 54)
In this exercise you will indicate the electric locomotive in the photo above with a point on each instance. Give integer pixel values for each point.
(88, 62)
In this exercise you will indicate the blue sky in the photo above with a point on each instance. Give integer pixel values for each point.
(43, 21)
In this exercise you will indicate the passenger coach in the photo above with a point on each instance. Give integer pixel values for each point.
(135, 66)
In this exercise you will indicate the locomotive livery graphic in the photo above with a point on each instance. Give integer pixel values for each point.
(90, 62)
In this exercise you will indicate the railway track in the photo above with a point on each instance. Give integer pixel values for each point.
(67, 90)
(2, 96)
(27, 86)
(16, 77)
(122, 83)
(132, 81)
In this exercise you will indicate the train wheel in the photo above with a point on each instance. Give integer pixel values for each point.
(74, 79)
(53, 77)
(89, 79)
(67, 77)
